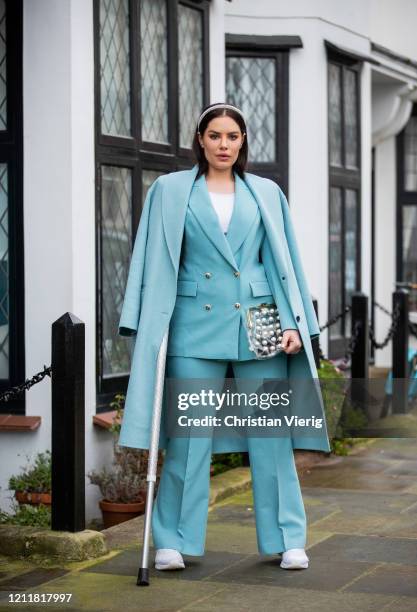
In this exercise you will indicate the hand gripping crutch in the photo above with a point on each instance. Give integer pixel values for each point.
(143, 575)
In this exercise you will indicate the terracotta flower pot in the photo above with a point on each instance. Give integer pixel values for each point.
(31, 497)
(115, 512)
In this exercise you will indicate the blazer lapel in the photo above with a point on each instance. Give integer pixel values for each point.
(245, 211)
(201, 206)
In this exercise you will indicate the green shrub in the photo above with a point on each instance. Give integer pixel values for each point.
(35, 479)
(26, 514)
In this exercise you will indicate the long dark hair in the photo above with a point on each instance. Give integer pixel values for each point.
(240, 164)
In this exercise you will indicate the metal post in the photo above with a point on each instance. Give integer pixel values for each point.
(68, 424)
(315, 343)
(359, 320)
(360, 352)
(400, 372)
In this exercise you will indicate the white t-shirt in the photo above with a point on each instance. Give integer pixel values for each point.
(223, 205)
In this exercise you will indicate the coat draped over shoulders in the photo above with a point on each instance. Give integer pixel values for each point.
(151, 293)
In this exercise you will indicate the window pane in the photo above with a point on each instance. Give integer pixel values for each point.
(251, 86)
(3, 82)
(351, 250)
(190, 69)
(148, 177)
(154, 70)
(335, 115)
(410, 155)
(410, 250)
(335, 257)
(114, 67)
(351, 119)
(4, 273)
(116, 247)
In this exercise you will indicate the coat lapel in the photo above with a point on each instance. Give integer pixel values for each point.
(270, 207)
(202, 208)
(174, 202)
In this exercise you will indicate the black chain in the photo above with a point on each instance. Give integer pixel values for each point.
(29, 382)
(353, 340)
(335, 318)
(411, 326)
(391, 331)
(379, 345)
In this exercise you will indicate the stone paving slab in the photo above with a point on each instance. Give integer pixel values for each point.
(367, 549)
(389, 579)
(355, 479)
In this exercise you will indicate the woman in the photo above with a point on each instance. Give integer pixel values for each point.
(212, 242)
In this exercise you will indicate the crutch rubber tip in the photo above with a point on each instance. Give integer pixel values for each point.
(143, 577)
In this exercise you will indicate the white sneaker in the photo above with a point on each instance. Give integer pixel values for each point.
(168, 559)
(295, 558)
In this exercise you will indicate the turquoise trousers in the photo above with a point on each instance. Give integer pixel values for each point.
(179, 518)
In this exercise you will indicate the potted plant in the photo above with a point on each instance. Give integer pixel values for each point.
(123, 488)
(33, 485)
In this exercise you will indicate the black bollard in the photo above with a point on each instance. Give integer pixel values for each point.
(400, 366)
(360, 354)
(315, 343)
(68, 424)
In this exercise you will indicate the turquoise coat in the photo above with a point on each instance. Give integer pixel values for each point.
(176, 210)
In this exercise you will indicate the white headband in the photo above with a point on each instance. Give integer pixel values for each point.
(218, 106)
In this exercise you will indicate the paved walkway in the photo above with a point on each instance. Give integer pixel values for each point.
(362, 544)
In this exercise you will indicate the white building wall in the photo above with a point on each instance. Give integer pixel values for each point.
(59, 189)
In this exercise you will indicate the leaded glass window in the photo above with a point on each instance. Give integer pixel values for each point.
(410, 154)
(351, 118)
(154, 70)
(351, 248)
(115, 67)
(116, 247)
(343, 116)
(190, 71)
(4, 273)
(409, 251)
(148, 177)
(12, 282)
(3, 62)
(251, 86)
(335, 259)
(344, 203)
(151, 81)
(335, 115)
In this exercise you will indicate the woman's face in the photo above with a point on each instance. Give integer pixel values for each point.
(221, 142)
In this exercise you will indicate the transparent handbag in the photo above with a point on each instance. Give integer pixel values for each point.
(264, 330)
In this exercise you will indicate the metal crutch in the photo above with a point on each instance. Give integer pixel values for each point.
(143, 575)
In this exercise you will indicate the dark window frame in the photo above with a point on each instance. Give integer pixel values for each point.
(404, 198)
(132, 152)
(278, 48)
(345, 178)
(11, 152)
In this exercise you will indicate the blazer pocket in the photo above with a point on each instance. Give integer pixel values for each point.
(260, 288)
(187, 288)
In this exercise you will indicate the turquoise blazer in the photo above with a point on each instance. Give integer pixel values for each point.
(220, 276)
